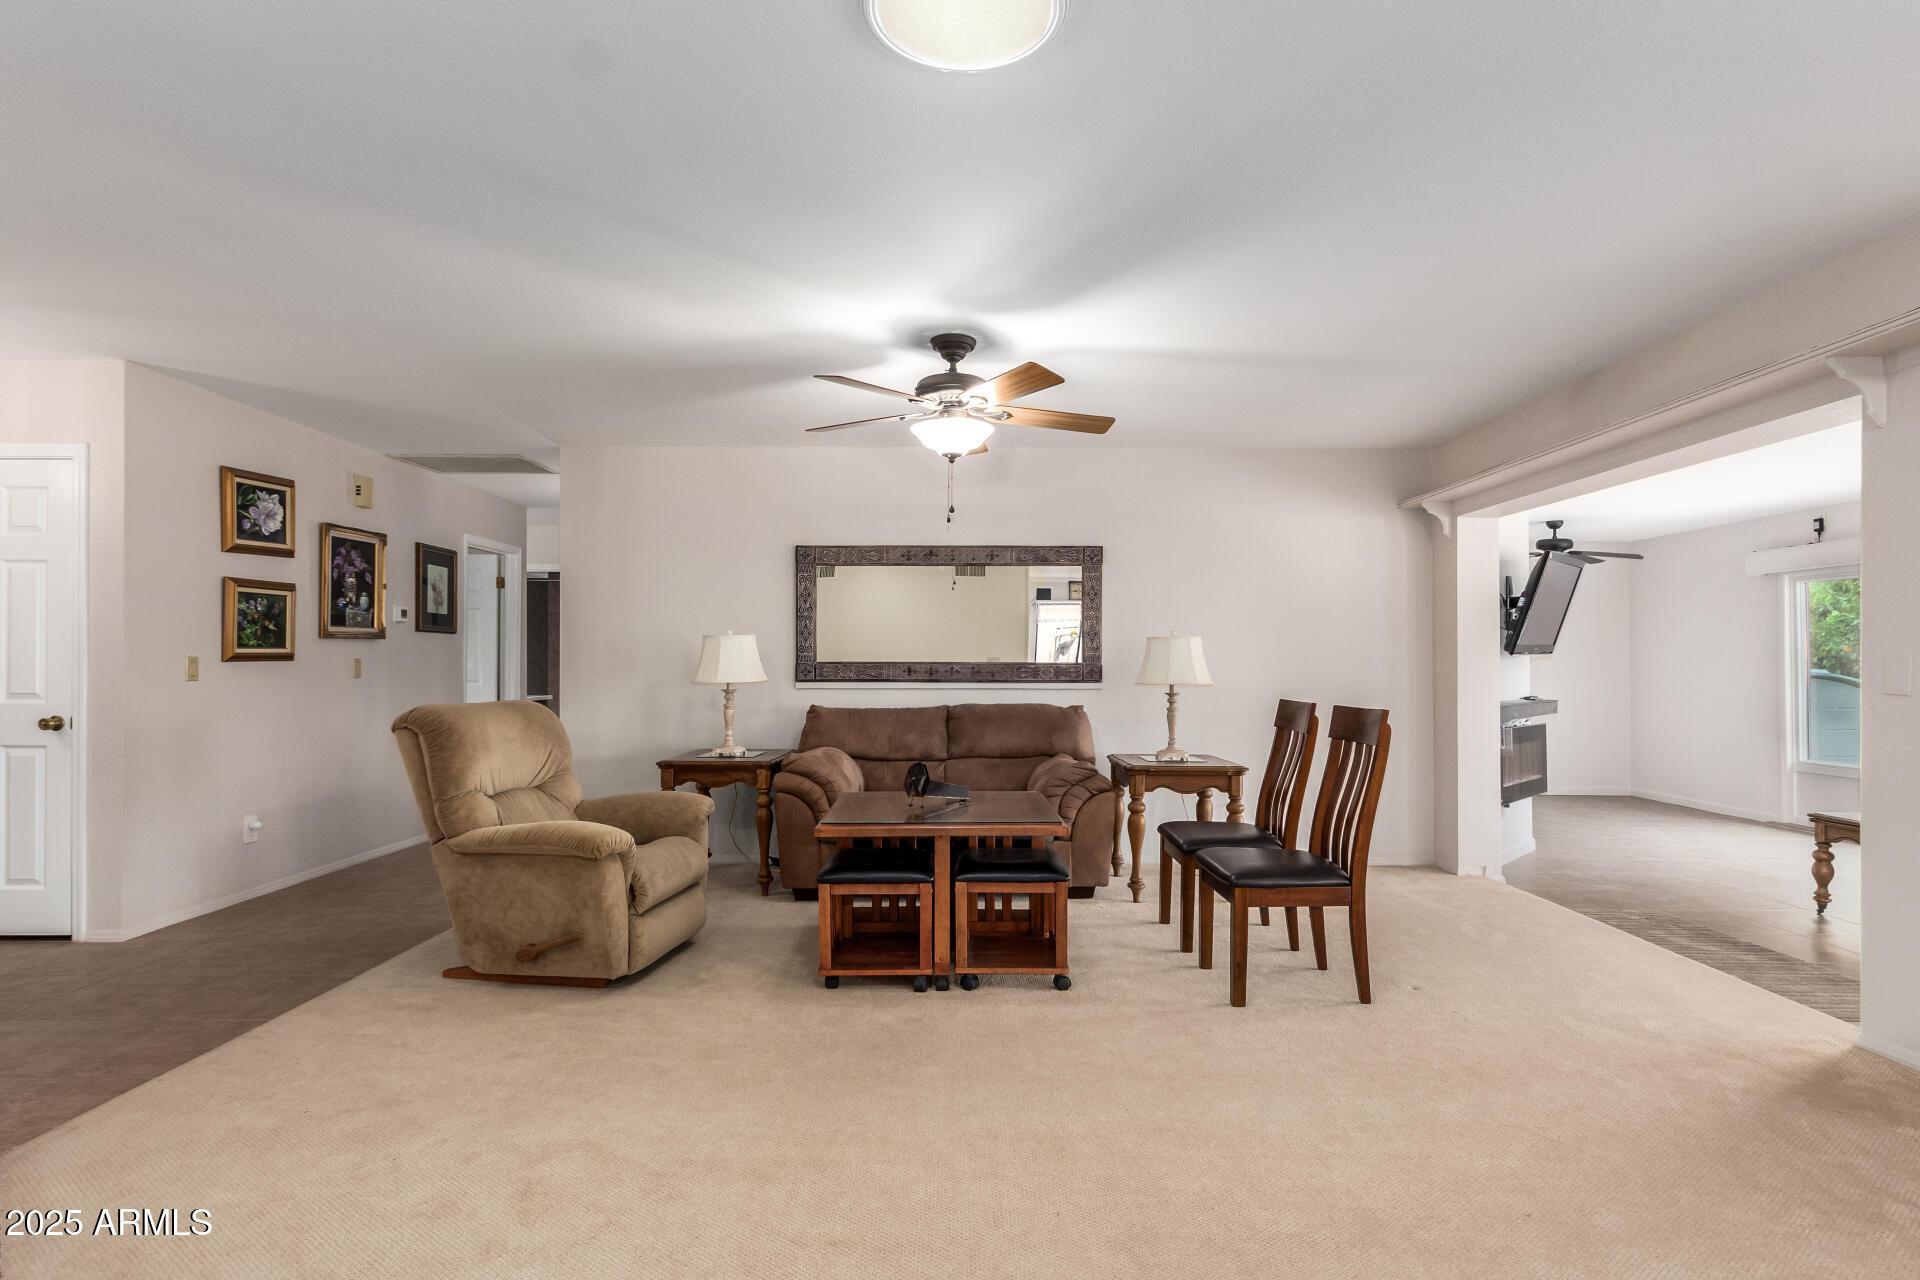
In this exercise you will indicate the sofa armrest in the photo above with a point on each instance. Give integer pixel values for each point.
(589, 840)
(818, 777)
(1069, 783)
(651, 815)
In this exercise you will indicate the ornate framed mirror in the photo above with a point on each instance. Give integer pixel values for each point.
(947, 615)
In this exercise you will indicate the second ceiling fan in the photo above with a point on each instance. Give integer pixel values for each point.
(953, 412)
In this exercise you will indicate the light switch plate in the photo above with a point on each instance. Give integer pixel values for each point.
(1896, 675)
(400, 613)
(362, 491)
(193, 668)
(356, 668)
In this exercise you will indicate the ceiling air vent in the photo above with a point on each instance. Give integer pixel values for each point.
(475, 464)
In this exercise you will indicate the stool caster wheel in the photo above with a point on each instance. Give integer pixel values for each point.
(919, 985)
(830, 983)
(940, 983)
(968, 981)
(1061, 982)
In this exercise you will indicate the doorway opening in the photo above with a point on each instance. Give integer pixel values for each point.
(492, 621)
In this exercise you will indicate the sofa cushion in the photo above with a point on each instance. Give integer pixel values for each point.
(663, 868)
(993, 773)
(879, 733)
(1018, 730)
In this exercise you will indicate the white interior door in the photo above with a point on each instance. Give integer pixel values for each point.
(482, 589)
(39, 678)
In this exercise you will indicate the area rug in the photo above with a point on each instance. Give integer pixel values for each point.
(1532, 1093)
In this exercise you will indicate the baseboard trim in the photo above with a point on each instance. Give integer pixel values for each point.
(1905, 1056)
(1705, 806)
(1577, 790)
(235, 899)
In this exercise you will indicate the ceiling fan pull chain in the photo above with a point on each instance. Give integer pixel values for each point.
(950, 461)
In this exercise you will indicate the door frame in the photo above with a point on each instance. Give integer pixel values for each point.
(513, 614)
(81, 720)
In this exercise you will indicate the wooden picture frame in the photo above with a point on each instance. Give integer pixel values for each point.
(353, 583)
(248, 616)
(809, 561)
(431, 588)
(256, 513)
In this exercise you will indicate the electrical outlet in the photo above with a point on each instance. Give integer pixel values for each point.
(356, 668)
(362, 491)
(250, 828)
(193, 668)
(1897, 675)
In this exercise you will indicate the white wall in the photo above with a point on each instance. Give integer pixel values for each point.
(1709, 647)
(543, 539)
(1890, 800)
(1296, 569)
(1590, 673)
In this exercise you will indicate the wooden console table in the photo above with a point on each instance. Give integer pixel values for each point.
(1200, 776)
(1827, 828)
(755, 769)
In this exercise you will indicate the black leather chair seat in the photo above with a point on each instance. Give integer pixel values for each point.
(1015, 866)
(864, 865)
(1253, 867)
(1188, 836)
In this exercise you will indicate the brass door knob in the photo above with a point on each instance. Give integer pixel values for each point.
(53, 724)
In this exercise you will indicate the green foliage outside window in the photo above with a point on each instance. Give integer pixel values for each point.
(1833, 625)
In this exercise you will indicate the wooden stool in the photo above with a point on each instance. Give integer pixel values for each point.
(990, 934)
(876, 915)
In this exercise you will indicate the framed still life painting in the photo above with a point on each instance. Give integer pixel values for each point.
(256, 620)
(256, 513)
(436, 589)
(353, 583)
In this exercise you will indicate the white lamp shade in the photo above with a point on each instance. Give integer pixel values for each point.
(729, 659)
(1173, 660)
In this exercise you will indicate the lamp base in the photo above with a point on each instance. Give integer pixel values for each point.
(727, 753)
(1172, 755)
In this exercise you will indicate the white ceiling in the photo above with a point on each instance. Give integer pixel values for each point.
(1792, 475)
(500, 226)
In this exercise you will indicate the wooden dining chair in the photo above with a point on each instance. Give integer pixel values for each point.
(1330, 872)
(1276, 814)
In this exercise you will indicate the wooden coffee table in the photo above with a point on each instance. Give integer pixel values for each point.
(887, 815)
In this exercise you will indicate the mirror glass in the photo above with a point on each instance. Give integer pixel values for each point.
(948, 613)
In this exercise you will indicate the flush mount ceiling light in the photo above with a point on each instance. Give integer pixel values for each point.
(965, 35)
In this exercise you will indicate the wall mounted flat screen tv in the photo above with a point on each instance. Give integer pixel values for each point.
(1535, 626)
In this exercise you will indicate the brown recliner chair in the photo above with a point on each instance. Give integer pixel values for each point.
(1000, 746)
(544, 886)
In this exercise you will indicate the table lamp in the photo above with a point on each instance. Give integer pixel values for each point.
(729, 660)
(1173, 661)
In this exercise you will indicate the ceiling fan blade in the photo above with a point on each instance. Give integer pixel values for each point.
(1023, 381)
(864, 386)
(1054, 418)
(1612, 555)
(861, 422)
(1581, 556)
(969, 453)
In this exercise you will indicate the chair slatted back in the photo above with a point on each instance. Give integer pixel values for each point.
(1283, 790)
(1357, 742)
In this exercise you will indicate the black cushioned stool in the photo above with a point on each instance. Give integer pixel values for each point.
(990, 934)
(876, 914)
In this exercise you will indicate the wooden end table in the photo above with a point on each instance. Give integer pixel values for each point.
(886, 815)
(1827, 828)
(755, 769)
(1200, 776)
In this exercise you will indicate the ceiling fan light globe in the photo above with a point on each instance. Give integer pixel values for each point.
(964, 35)
(949, 436)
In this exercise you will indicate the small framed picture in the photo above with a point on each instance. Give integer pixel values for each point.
(256, 513)
(256, 620)
(436, 589)
(353, 584)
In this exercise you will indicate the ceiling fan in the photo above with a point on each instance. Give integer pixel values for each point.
(1554, 542)
(954, 413)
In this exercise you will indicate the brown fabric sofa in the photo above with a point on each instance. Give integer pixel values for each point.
(1021, 746)
(541, 884)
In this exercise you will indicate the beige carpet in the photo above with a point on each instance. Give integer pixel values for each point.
(1531, 1094)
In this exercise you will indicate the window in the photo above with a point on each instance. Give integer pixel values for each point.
(1827, 671)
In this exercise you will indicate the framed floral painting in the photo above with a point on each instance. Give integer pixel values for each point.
(436, 589)
(256, 513)
(256, 620)
(353, 583)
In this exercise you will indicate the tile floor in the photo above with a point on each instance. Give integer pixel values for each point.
(83, 1022)
(1746, 879)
